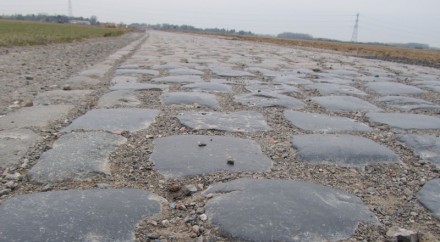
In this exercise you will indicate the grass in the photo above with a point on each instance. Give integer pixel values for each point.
(383, 52)
(21, 33)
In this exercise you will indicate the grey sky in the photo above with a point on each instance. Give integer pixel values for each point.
(380, 20)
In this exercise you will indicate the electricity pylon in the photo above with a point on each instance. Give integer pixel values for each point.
(354, 37)
(70, 9)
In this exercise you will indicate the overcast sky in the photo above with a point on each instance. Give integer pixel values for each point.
(380, 20)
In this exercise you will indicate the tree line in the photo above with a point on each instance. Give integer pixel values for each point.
(93, 20)
(188, 28)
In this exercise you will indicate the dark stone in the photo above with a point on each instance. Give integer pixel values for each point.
(425, 146)
(429, 197)
(139, 87)
(178, 79)
(60, 97)
(405, 120)
(345, 104)
(331, 89)
(179, 156)
(125, 119)
(277, 210)
(14, 144)
(269, 99)
(277, 88)
(137, 72)
(345, 150)
(207, 87)
(185, 71)
(263, 71)
(228, 72)
(186, 98)
(36, 116)
(124, 79)
(392, 88)
(408, 103)
(76, 156)
(324, 123)
(244, 121)
(76, 215)
(292, 80)
(122, 98)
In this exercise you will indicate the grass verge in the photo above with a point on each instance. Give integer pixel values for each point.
(19, 33)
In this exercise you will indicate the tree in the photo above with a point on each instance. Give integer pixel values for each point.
(93, 20)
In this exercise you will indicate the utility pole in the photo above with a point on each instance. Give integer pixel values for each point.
(354, 37)
(70, 9)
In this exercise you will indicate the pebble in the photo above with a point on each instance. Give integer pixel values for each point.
(402, 235)
(15, 176)
(190, 218)
(46, 188)
(174, 187)
(190, 189)
(153, 236)
(67, 88)
(200, 210)
(152, 222)
(196, 229)
(173, 205)
(11, 184)
(103, 186)
(203, 217)
(165, 223)
(5, 192)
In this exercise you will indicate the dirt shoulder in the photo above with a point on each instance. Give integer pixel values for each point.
(25, 71)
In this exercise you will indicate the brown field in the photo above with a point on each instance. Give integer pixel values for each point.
(384, 52)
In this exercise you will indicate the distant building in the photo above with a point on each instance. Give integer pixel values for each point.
(81, 22)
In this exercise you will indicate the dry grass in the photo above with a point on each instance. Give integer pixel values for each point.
(16, 33)
(384, 52)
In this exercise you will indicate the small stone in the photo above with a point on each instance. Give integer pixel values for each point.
(173, 205)
(200, 210)
(46, 188)
(200, 186)
(371, 190)
(196, 229)
(103, 186)
(153, 236)
(15, 176)
(29, 78)
(165, 223)
(67, 88)
(5, 192)
(28, 103)
(180, 207)
(174, 187)
(11, 184)
(203, 217)
(152, 222)
(230, 161)
(201, 144)
(190, 189)
(402, 235)
(189, 218)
